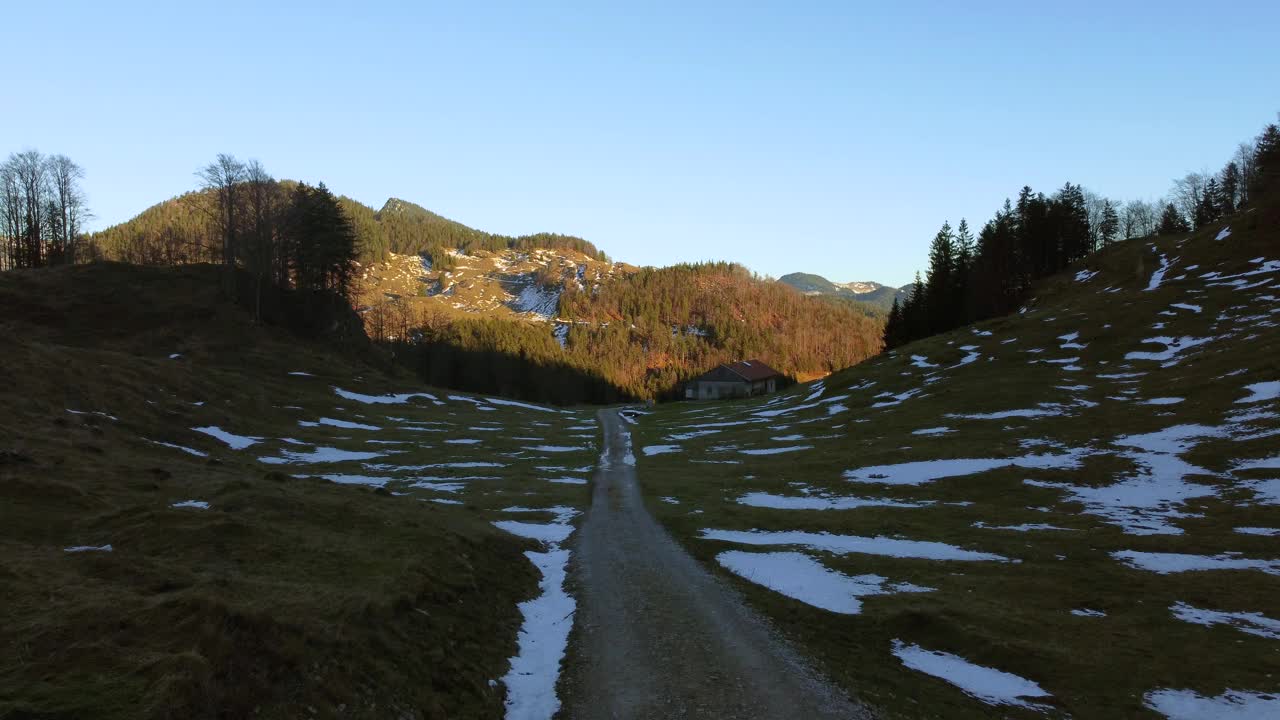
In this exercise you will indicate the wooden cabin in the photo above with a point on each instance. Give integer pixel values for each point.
(736, 380)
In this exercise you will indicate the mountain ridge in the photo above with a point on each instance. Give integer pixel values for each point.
(423, 279)
(868, 292)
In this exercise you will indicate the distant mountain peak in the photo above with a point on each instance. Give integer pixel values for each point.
(864, 291)
(396, 206)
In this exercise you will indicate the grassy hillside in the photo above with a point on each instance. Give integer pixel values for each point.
(200, 517)
(1035, 494)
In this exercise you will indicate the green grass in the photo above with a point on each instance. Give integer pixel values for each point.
(1016, 616)
(291, 596)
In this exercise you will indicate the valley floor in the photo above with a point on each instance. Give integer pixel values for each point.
(1070, 512)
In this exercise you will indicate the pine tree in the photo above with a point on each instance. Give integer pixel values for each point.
(938, 283)
(1207, 210)
(1266, 161)
(966, 252)
(893, 327)
(915, 313)
(1171, 221)
(1109, 227)
(1230, 187)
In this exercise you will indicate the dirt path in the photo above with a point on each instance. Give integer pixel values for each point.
(657, 635)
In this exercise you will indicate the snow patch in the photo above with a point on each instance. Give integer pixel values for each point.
(1252, 623)
(802, 578)
(1166, 563)
(381, 399)
(991, 686)
(843, 544)
(1230, 705)
(923, 471)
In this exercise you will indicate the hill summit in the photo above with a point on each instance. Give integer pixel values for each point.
(872, 293)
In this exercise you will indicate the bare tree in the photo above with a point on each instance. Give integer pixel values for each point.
(1246, 160)
(25, 205)
(1138, 219)
(263, 206)
(223, 178)
(10, 213)
(67, 205)
(1188, 192)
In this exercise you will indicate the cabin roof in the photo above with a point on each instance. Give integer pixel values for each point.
(751, 371)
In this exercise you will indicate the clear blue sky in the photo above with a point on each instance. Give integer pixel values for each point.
(829, 137)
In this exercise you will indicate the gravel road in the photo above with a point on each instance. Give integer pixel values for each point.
(657, 635)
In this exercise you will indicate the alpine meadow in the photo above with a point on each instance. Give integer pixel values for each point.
(816, 360)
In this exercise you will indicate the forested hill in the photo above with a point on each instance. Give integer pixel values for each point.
(641, 330)
(512, 315)
(182, 230)
(687, 318)
(876, 298)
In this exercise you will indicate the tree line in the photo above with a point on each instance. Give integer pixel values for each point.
(974, 278)
(42, 210)
(293, 236)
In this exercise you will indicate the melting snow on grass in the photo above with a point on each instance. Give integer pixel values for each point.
(1261, 392)
(1045, 410)
(555, 448)
(660, 449)
(918, 473)
(896, 399)
(991, 686)
(544, 632)
(1157, 277)
(381, 399)
(1166, 563)
(1173, 349)
(319, 455)
(1146, 502)
(1230, 705)
(1252, 623)
(843, 544)
(1024, 527)
(88, 548)
(776, 450)
(194, 504)
(799, 576)
(932, 431)
(1269, 532)
(817, 502)
(526, 406)
(186, 450)
(332, 422)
